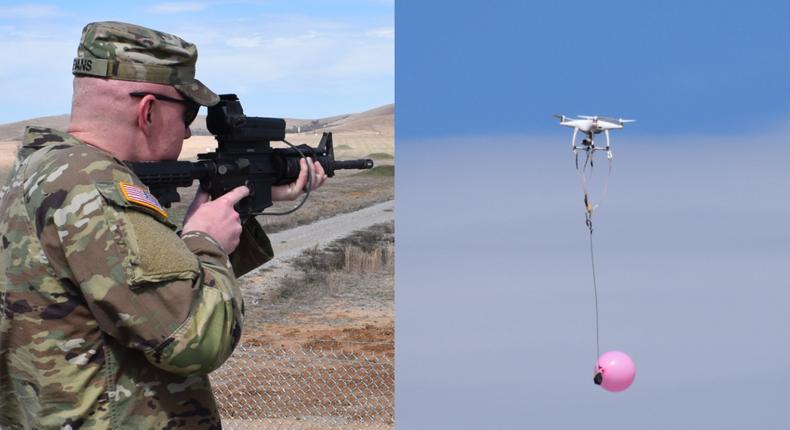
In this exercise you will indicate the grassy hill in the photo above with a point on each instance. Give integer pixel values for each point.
(377, 120)
(15, 130)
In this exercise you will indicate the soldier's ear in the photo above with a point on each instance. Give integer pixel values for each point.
(145, 114)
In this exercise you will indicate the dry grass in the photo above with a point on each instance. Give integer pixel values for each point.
(358, 261)
(4, 171)
(364, 252)
(384, 171)
(8, 150)
(381, 156)
(348, 283)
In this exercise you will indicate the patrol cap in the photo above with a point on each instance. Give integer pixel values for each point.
(117, 50)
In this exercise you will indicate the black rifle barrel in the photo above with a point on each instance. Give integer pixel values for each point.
(164, 177)
(353, 164)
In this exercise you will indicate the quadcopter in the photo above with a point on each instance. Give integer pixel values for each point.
(592, 125)
(615, 370)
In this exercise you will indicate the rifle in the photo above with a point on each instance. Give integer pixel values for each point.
(244, 156)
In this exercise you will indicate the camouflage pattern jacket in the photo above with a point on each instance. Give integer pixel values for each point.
(108, 320)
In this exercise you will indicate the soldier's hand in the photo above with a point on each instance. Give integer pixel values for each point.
(218, 218)
(294, 189)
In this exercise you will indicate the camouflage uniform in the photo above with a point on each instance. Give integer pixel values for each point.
(108, 319)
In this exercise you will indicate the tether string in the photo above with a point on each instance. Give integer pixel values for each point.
(585, 177)
(595, 289)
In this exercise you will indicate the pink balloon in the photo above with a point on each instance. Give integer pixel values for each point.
(615, 371)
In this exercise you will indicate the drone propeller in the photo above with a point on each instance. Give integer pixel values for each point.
(562, 118)
(620, 121)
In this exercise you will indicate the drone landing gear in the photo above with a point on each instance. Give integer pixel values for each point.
(588, 145)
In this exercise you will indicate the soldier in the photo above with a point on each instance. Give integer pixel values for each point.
(109, 319)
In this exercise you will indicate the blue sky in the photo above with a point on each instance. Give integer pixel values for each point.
(297, 59)
(505, 66)
(495, 311)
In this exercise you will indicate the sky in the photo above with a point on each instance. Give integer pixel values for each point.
(295, 59)
(506, 66)
(494, 298)
(494, 301)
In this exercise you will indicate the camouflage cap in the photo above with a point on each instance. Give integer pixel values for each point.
(117, 50)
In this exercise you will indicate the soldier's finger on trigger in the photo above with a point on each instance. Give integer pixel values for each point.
(236, 194)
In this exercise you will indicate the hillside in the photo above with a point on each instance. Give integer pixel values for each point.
(377, 120)
(15, 130)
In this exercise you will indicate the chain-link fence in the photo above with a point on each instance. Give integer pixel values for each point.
(265, 387)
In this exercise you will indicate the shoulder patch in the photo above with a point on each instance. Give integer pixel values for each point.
(137, 195)
(128, 195)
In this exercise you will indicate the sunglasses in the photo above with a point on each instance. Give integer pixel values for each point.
(190, 108)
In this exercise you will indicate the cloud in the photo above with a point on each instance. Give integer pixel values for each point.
(384, 33)
(245, 42)
(300, 65)
(29, 11)
(295, 50)
(302, 59)
(177, 7)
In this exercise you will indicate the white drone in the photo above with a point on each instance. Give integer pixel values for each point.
(592, 125)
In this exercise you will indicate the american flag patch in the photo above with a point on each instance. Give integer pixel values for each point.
(139, 196)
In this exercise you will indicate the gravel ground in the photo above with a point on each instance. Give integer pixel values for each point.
(303, 298)
(289, 244)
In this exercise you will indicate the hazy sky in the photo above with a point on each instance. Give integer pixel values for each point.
(495, 310)
(297, 59)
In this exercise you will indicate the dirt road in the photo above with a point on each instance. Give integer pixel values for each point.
(290, 243)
